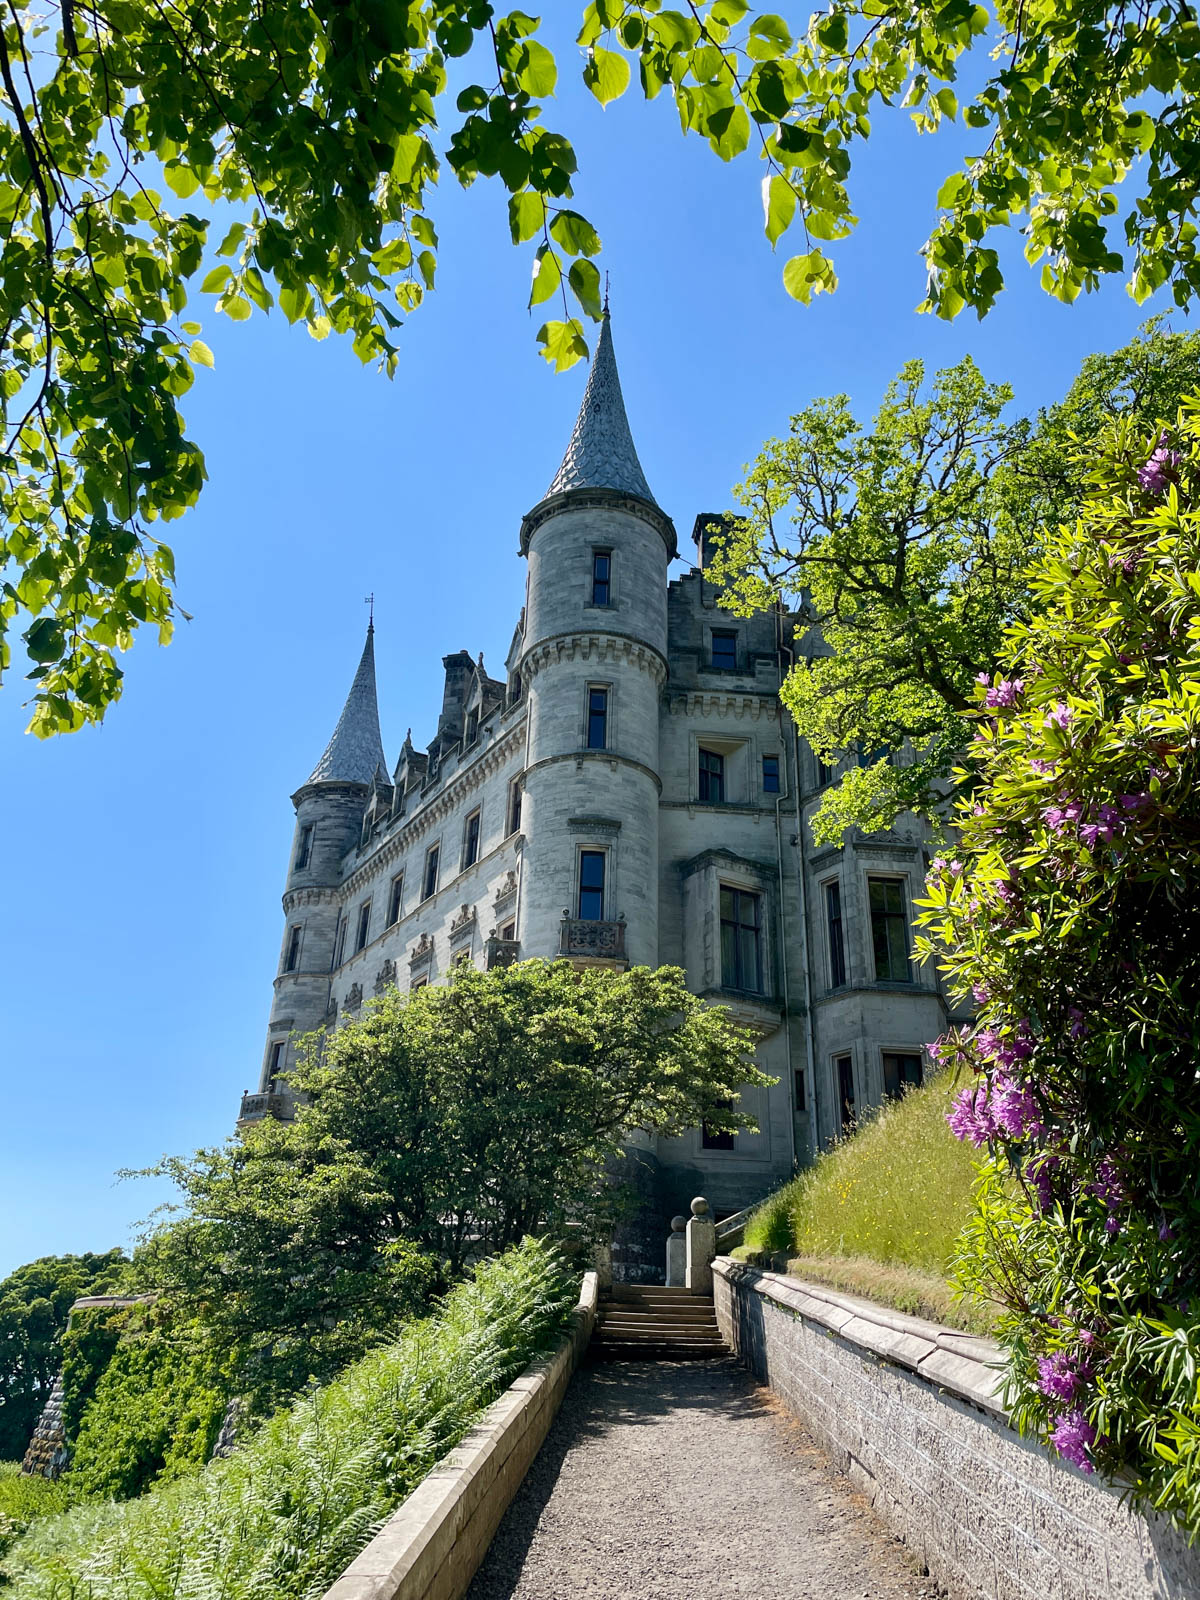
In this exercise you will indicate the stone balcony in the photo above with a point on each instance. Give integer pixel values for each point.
(272, 1104)
(501, 952)
(587, 943)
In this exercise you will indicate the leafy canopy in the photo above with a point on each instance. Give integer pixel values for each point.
(283, 152)
(1073, 913)
(444, 1125)
(35, 1302)
(904, 550)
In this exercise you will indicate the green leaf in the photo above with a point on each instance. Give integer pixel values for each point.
(804, 276)
(200, 353)
(584, 278)
(562, 344)
(779, 206)
(540, 73)
(769, 38)
(216, 280)
(834, 33)
(606, 74)
(547, 275)
(575, 233)
(526, 215)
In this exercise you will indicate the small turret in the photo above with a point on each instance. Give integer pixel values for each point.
(330, 809)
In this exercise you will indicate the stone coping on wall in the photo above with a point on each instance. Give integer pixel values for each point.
(963, 1364)
(430, 1547)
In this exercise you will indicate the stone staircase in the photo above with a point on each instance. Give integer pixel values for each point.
(637, 1322)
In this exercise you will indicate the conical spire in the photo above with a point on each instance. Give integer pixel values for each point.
(355, 753)
(601, 453)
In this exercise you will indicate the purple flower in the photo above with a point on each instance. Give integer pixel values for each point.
(1165, 1232)
(1014, 1109)
(1006, 693)
(1087, 1338)
(1135, 802)
(1155, 475)
(1078, 1024)
(988, 1043)
(1059, 818)
(1040, 1173)
(981, 994)
(970, 1118)
(1058, 1377)
(1073, 1437)
(982, 679)
(1044, 768)
(1062, 715)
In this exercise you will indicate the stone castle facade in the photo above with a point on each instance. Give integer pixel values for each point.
(630, 791)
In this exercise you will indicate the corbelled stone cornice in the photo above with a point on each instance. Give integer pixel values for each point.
(730, 703)
(609, 648)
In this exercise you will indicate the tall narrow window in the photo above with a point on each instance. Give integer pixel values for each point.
(591, 885)
(514, 806)
(364, 926)
(889, 930)
(801, 1084)
(770, 774)
(716, 1138)
(339, 948)
(712, 777)
(472, 727)
(837, 941)
(304, 848)
(514, 688)
(844, 1066)
(429, 883)
(276, 1066)
(741, 940)
(824, 772)
(293, 951)
(470, 854)
(395, 899)
(724, 651)
(601, 577)
(597, 723)
(900, 1072)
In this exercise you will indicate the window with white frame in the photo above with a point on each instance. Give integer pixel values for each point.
(592, 872)
(741, 939)
(889, 929)
(597, 717)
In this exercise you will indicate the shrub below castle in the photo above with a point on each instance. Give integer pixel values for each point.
(295, 1503)
(1073, 911)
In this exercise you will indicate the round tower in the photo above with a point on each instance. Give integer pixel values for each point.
(594, 664)
(329, 815)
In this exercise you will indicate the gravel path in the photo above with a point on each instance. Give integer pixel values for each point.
(686, 1481)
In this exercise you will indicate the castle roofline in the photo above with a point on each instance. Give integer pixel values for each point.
(354, 753)
(601, 457)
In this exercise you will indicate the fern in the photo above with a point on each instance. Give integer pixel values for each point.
(282, 1516)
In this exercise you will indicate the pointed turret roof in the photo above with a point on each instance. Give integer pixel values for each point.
(601, 453)
(355, 752)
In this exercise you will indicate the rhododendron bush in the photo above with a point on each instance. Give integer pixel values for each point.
(1072, 910)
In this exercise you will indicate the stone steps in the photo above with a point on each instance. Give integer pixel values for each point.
(637, 1323)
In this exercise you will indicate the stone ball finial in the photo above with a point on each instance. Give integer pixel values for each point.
(700, 1207)
(678, 1224)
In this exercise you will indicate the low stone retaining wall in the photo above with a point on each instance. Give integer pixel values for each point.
(910, 1412)
(432, 1544)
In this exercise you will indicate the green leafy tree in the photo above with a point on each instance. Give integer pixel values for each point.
(1073, 913)
(283, 152)
(144, 1398)
(35, 1302)
(904, 549)
(441, 1127)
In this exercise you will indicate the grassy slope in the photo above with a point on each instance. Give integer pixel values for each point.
(880, 1213)
(291, 1507)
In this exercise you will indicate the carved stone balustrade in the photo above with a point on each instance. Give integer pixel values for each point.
(592, 941)
(257, 1106)
(502, 952)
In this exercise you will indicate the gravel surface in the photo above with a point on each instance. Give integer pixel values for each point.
(687, 1481)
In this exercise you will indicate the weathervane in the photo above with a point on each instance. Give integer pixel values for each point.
(606, 293)
(369, 600)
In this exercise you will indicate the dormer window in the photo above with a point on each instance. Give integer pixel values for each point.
(724, 651)
(601, 577)
(472, 727)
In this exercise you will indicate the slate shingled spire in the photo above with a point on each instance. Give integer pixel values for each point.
(355, 753)
(601, 453)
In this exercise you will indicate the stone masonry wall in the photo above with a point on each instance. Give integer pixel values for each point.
(910, 1412)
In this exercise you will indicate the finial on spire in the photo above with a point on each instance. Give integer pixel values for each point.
(369, 600)
(606, 291)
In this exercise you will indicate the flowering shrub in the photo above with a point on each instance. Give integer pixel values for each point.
(1072, 911)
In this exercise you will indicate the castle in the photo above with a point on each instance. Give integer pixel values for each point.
(631, 791)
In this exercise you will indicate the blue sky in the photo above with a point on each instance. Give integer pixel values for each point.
(144, 861)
